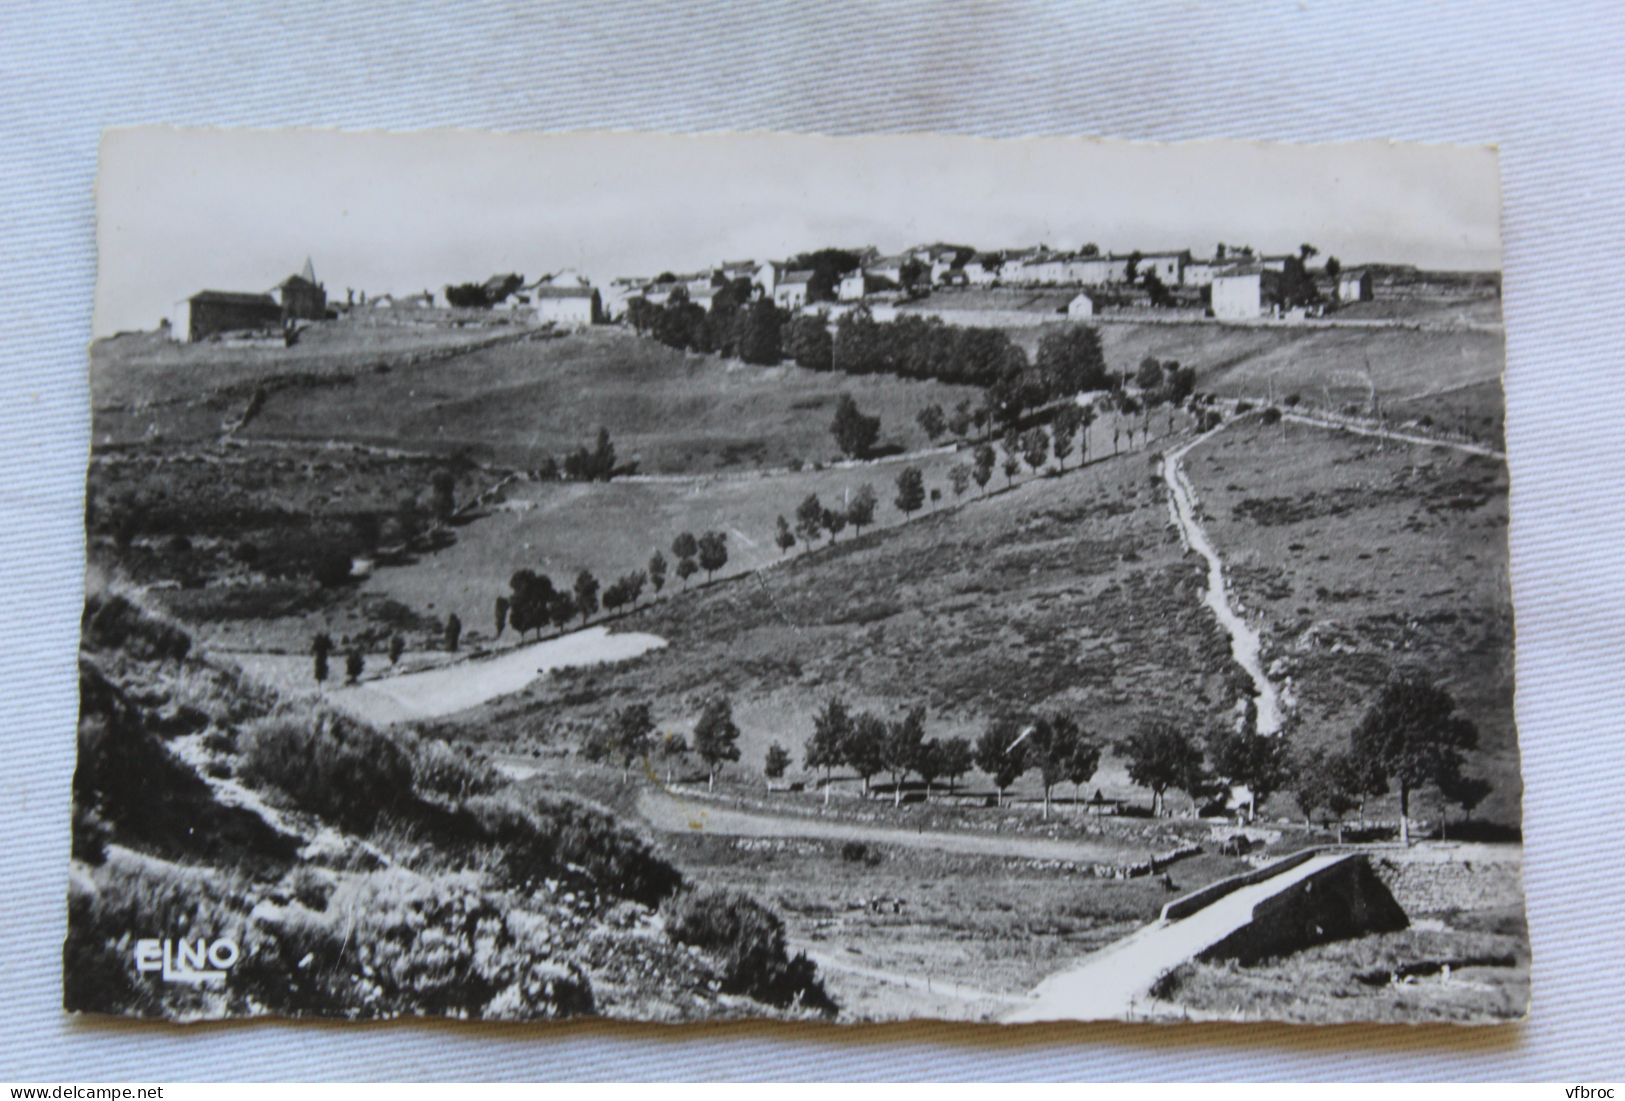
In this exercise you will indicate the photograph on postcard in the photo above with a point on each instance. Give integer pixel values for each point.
(681, 578)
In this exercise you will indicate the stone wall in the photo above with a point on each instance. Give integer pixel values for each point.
(1424, 885)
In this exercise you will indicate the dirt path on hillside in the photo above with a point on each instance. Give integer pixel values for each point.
(1334, 425)
(1245, 645)
(1115, 982)
(675, 814)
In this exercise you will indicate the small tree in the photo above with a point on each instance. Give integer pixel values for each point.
(910, 489)
(982, 466)
(932, 421)
(454, 632)
(860, 511)
(1084, 764)
(928, 763)
(1001, 752)
(1035, 448)
(1258, 762)
(1412, 736)
(834, 522)
(632, 734)
(1321, 783)
(1065, 432)
(657, 572)
(1012, 467)
(1464, 791)
(716, 737)
(900, 749)
(686, 568)
(783, 536)
(960, 421)
(1053, 747)
(854, 432)
(959, 478)
(354, 665)
(810, 519)
(397, 647)
(501, 616)
(778, 760)
(1161, 756)
(561, 609)
(955, 758)
(443, 490)
(615, 596)
(826, 748)
(586, 590)
(713, 552)
(602, 466)
(673, 750)
(685, 546)
(865, 746)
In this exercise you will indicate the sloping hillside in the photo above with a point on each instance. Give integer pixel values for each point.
(515, 403)
(365, 874)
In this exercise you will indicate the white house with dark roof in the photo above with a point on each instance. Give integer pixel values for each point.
(1200, 273)
(791, 291)
(768, 274)
(982, 269)
(1354, 286)
(1169, 266)
(889, 269)
(565, 300)
(1097, 270)
(1242, 292)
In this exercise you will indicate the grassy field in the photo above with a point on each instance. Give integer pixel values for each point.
(561, 528)
(514, 404)
(1453, 377)
(909, 933)
(234, 538)
(1064, 592)
(1357, 555)
(667, 411)
(144, 369)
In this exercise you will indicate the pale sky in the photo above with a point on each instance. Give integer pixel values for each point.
(181, 211)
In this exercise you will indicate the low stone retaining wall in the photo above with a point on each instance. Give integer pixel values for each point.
(1425, 886)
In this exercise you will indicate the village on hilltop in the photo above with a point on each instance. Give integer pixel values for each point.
(950, 281)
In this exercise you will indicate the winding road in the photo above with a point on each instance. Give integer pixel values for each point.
(1245, 645)
(675, 814)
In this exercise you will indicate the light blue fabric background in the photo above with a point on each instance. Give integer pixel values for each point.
(1545, 81)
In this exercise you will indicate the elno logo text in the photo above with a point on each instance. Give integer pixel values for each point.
(195, 962)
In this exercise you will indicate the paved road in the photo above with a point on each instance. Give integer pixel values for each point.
(1115, 982)
(446, 689)
(675, 814)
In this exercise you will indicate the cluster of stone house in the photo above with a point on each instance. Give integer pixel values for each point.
(1242, 283)
(1239, 286)
(297, 298)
